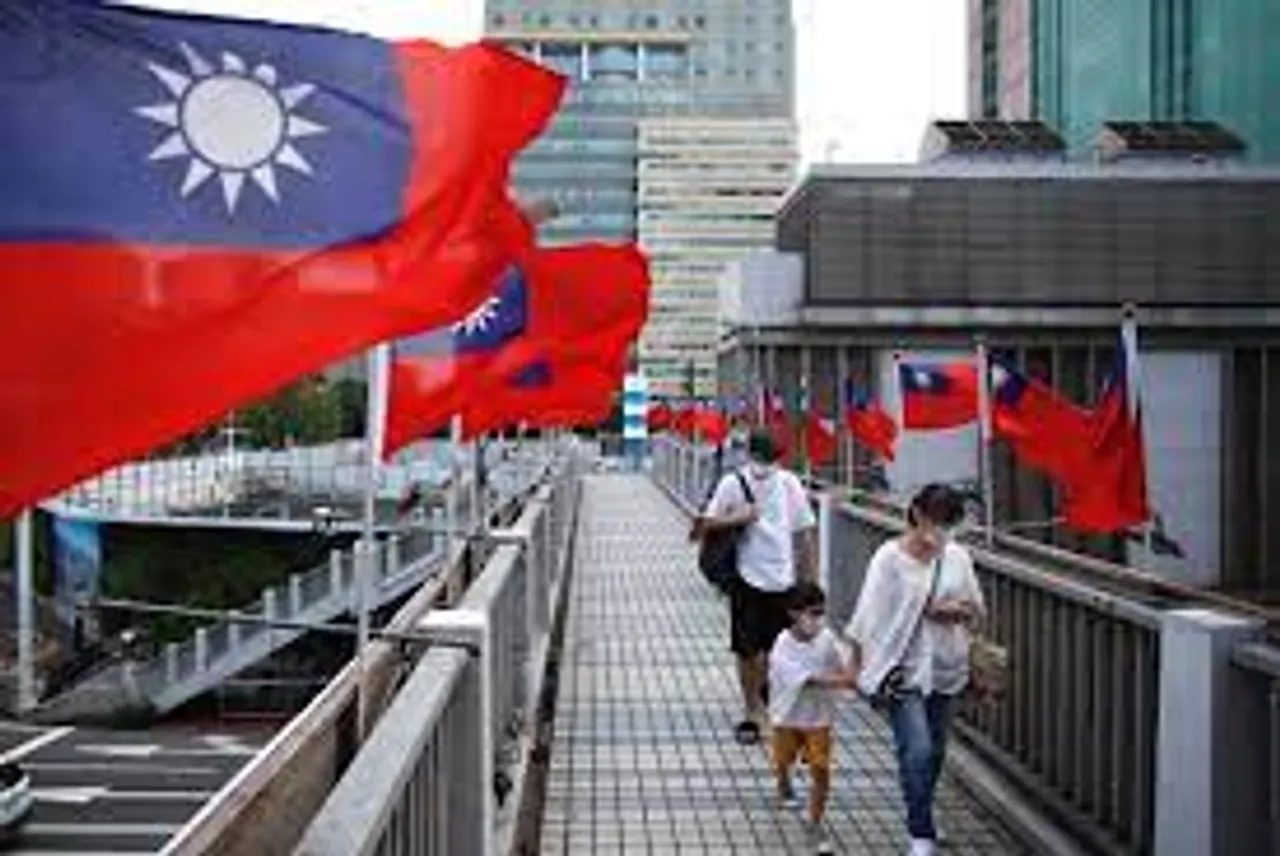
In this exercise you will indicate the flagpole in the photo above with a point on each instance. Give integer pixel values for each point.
(984, 438)
(23, 535)
(1133, 395)
(377, 361)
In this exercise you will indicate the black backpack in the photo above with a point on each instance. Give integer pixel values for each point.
(718, 553)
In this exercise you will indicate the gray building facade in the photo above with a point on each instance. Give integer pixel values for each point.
(632, 60)
(1037, 257)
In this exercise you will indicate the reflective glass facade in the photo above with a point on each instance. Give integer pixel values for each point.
(1077, 64)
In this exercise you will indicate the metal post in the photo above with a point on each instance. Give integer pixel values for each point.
(375, 422)
(984, 440)
(23, 534)
(363, 567)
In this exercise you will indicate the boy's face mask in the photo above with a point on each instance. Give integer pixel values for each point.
(810, 624)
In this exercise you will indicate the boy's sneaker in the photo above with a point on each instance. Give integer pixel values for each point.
(922, 847)
(789, 800)
(820, 840)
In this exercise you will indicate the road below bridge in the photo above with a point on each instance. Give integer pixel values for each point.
(121, 792)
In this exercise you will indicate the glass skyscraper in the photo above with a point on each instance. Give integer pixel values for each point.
(632, 62)
(1077, 63)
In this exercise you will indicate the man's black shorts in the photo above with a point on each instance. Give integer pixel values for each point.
(755, 618)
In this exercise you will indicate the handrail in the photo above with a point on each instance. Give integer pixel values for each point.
(360, 807)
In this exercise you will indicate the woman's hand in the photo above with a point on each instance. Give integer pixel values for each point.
(952, 610)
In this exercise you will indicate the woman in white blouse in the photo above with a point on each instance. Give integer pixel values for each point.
(910, 634)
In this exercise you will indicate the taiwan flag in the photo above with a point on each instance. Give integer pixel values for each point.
(546, 393)
(659, 418)
(711, 423)
(196, 211)
(821, 440)
(1110, 492)
(561, 316)
(938, 396)
(1044, 429)
(869, 424)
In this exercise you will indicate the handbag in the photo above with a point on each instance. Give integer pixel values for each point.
(718, 549)
(893, 688)
(988, 669)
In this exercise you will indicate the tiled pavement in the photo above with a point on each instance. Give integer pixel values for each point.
(644, 760)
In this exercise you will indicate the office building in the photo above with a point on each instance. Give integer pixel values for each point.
(649, 81)
(708, 193)
(1038, 254)
(1075, 64)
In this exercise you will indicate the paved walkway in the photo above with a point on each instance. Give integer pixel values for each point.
(644, 760)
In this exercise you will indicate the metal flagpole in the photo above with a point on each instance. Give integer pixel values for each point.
(378, 360)
(23, 535)
(984, 439)
(1133, 399)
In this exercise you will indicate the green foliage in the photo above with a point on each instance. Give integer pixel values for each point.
(205, 568)
(309, 412)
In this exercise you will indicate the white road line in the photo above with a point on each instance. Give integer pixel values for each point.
(54, 830)
(150, 769)
(91, 793)
(151, 750)
(78, 853)
(35, 744)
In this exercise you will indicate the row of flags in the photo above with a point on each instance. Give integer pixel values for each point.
(811, 435)
(198, 211)
(1096, 457)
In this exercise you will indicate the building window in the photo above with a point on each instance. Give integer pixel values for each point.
(499, 20)
(651, 22)
(544, 21)
(699, 21)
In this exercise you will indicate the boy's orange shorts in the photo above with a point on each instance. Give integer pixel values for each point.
(815, 743)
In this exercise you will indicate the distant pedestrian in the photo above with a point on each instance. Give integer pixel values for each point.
(805, 671)
(777, 549)
(911, 632)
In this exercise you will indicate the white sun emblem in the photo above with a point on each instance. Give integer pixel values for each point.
(231, 123)
(479, 319)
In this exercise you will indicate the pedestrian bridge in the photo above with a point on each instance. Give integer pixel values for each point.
(574, 695)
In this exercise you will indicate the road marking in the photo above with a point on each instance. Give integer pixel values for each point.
(68, 795)
(104, 829)
(82, 795)
(78, 853)
(150, 769)
(35, 744)
(150, 750)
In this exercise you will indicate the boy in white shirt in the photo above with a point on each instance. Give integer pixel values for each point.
(805, 671)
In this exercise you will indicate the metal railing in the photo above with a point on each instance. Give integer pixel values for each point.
(1259, 664)
(1079, 728)
(429, 778)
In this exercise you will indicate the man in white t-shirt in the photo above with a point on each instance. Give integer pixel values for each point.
(778, 548)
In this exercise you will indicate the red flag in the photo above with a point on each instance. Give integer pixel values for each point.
(711, 424)
(1110, 493)
(659, 418)
(257, 202)
(937, 396)
(576, 309)
(778, 423)
(546, 394)
(869, 424)
(685, 421)
(821, 439)
(1045, 430)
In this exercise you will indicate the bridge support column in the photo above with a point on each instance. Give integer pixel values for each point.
(1207, 794)
(470, 757)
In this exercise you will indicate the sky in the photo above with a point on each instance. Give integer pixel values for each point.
(872, 73)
